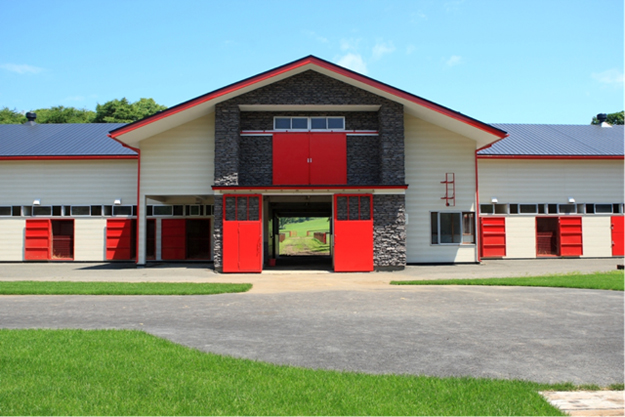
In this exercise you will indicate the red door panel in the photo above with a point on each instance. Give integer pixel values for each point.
(493, 238)
(290, 159)
(353, 233)
(618, 236)
(37, 241)
(328, 156)
(173, 239)
(242, 233)
(250, 241)
(571, 236)
(118, 239)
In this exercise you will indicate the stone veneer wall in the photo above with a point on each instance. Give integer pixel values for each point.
(255, 164)
(363, 162)
(227, 121)
(218, 232)
(389, 231)
(391, 118)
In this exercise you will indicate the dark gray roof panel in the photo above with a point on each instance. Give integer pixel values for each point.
(566, 140)
(60, 140)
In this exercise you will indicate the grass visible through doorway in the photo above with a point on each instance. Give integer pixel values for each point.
(612, 280)
(117, 288)
(112, 372)
(303, 242)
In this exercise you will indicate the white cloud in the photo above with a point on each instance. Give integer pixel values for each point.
(349, 44)
(611, 76)
(382, 48)
(353, 62)
(454, 60)
(315, 36)
(21, 69)
(410, 49)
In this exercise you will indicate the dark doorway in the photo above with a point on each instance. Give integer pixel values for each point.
(150, 240)
(547, 236)
(62, 239)
(198, 239)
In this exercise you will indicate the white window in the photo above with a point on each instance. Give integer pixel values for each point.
(122, 211)
(567, 208)
(193, 210)
(309, 123)
(42, 211)
(81, 210)
(452, 228)
(163, 210)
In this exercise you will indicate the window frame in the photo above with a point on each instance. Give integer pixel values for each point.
(461, 214)
(121, 215)
(71, 211)
(308, 124)
(155, 206)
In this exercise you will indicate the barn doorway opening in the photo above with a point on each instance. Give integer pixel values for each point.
(300, 233)
(547, 236)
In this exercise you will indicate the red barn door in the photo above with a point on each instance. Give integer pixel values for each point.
(618, 236)
(38, 239)
(173, 239)
(118, 239)
(353, 233)
(328, 158)
(570, 233)
(493, 238)
(290, 159)
(242, 233)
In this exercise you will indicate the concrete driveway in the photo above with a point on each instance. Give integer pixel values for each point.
(539, 334)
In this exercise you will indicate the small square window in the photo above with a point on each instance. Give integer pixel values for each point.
(42, 211)
(514, 209)
(178, 210)
(282, 123)
(5, 211)
(149, 211)
(501, 209)
(299, 123)
(528, 208)
(318, 123)
(336, 123)
(193, 210)
(163, 210)
(487, 209)
(67, 210)
(108, 210)
(568, 208)
(27, 211)
(17, 211)
(590, 208)
(96, 210)
(552, 208)
(57, 210)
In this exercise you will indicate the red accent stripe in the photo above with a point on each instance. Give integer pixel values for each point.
(314, 187)
(65, 157)
(323, 64)
(550, 156)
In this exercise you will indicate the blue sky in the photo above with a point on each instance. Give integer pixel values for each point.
(511, 61)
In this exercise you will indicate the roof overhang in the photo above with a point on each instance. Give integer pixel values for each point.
(483, 134)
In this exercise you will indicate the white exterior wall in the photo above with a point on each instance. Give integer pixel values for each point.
(432, 151)
(68, 182)
(12, 239)
(551, 181)
(178, 162)
(596, 236)
(90, 239)
(520, 237)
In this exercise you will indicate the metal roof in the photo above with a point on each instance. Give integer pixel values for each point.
(70, 139)
(567, 140)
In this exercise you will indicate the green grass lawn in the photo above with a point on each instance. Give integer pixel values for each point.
(118, 288)
(612, 280)
(302, 244)
(319, 224)
(112, 372)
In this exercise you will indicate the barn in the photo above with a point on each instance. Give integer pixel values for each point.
(403, 180)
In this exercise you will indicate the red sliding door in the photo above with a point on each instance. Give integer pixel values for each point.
(493, 237)
(570, 234)
(618, 236)
(38, 240)
(173, 239)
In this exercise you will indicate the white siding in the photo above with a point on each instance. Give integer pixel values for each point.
(432, 151)
(521, 237)
(180, 161)
(82, 182)
(551, 181)
(596, 236)
(90, 239)
(12, 239)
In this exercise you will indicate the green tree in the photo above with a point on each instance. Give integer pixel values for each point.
(61, 114)
(10, 117)
(613, 118)
(122, 111)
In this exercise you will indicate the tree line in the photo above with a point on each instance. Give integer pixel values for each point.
(114, 111)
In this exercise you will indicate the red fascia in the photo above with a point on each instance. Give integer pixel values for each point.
(323, 64)
(123, 144)
(491, 144)
(572, 157)
(313, 187)
(65, 157)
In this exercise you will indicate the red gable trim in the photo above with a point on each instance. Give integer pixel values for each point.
(65, 157)
(320, 63)
(550, 157)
